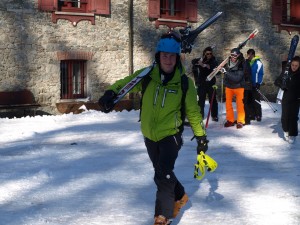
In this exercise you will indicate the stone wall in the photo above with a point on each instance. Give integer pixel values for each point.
(30, 42)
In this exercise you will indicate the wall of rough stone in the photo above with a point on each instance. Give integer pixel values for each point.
(29, 43)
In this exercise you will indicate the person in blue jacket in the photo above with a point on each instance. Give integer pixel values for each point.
(257, 73)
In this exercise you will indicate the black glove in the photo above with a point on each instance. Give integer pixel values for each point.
(202, 144)
(107, 101)
(257, 85)
(195, 61)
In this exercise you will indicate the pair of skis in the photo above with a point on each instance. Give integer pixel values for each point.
(285, 77)
(187, 41)
(225, 61)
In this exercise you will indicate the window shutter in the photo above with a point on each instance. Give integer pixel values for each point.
(191, 10)
(277, 8)
(154, 9)
(47, 5)
(99, 7)
(182, 12)
(295, 10)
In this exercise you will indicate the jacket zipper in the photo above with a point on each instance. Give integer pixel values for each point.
(164, 98)
(156, 94)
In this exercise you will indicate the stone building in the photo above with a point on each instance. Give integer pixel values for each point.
(68, 51)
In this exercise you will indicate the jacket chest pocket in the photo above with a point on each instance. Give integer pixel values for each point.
(170, 97)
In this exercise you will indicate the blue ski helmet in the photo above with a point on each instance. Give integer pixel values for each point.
(169, 42)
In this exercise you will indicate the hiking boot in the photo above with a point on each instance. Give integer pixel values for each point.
(228, 124)
(286, 135)
(216, 119)
(258, 118)
(239, 125)
(179, 204)
(161, 220)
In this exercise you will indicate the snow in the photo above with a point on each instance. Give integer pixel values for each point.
(92, 168)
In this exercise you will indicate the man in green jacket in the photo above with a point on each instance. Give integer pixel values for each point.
(161, 122)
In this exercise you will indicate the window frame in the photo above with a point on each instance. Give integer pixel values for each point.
(63, 9)
(69, 6)
(67, 86)
(184, 11)
(286, 14)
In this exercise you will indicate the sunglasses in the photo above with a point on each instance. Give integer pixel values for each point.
(234, 56)
(208, 53)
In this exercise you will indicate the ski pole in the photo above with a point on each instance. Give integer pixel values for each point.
(222, 90)
(258, 102)
(266, 100)
(210, 105)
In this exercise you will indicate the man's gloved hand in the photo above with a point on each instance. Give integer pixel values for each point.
(257, 85)
(107, 101)
(202, 144)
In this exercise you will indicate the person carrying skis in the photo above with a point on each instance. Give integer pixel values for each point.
(234, 81)
(202, 67)
(257, 73)
(162, 122)
(291, 100)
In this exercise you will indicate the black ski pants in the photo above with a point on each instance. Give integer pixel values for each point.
(256, 103)
(248, 105)
(163, 155)
(202, 91)
(289, 116)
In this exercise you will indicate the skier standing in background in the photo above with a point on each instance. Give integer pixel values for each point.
(234, 81)
(291, 100)
(162, 123)
(248, 95)
(257, 73)
(202, 67)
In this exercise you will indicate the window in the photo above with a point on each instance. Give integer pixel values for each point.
(72, 6)
(73, 79)
(286, 14)
(75, 10)
(173, 13)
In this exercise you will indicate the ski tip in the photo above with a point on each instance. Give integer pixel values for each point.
(253, 34)
(296, 37)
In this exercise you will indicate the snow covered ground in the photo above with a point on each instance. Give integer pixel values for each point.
(93, 168)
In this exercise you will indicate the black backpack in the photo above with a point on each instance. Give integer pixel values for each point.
(184, 87)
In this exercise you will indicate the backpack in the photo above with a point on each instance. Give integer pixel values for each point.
(184, 87)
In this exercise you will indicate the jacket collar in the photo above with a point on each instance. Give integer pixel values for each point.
(155, 75)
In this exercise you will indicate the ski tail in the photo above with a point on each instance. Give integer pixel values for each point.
(240, 46)
(292, 50)
(251, 36)
(188, 37)
(293, 47)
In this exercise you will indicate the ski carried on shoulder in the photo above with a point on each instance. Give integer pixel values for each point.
(240, 46)
(187, 40)
(133, 82)
(292, 50)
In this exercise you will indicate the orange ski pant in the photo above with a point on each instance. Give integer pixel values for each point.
(239, 95)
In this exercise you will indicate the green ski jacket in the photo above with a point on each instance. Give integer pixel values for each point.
(161, 104)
